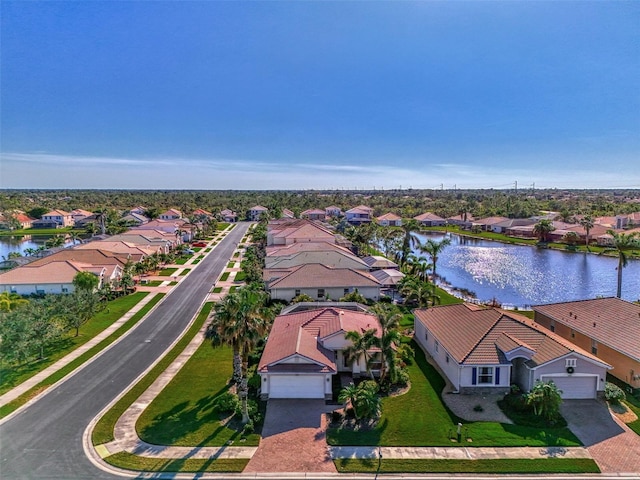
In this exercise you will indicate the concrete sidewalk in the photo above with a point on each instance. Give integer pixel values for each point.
(39, 377)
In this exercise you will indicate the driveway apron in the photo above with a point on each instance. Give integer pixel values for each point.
(293, 438)
(614, 447)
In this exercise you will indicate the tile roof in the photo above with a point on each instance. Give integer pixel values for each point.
(316, 275)
(56, 213)
(293, 248)
(376, 261)
(360, 209)
(389, 216)
(54, 272)
(314, 211)
(475, 335)
(94, 257)
(388, 276)
(610, 321)
(302, 333)
(428, 216)
(490, 220)
(259, 208)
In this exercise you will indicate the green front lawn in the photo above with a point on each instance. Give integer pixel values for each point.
(224, 277)
(633, 404)
(514, 465)
(184, 272)
(167, 272)
(419, 418)
(183, 414)
(13, 376)
(146, 464)
(222, 226)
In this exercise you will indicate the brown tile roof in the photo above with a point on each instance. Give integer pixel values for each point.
(302, 334)
(94, 257)
(315, 275)
(428, 216)
(475, 336)
(55, 272)
(314, 211)
(259, 208)
(610, 321)
(389, 216)
(56, 213)
(490, 220)
(136, 252)
(293, 248)
(360, 209)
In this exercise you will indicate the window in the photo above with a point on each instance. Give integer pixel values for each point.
(573, 334)
(426, 336)
(552, 326)
(346, 291)
(570, 362)
(321, 293)
(594, 347)
(485, 375)
(297, 292)
(437, 345)
(65, 290)
(447, 358)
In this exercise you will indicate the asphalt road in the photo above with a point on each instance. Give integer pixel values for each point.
(45, 440)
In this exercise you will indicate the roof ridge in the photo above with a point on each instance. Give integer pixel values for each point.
(483, 336)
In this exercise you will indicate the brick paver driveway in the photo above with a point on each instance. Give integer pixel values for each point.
(293, 438)
(611, 443)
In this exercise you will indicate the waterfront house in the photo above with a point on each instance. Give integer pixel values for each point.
(464, 221)
(319, 282)
(607, 327)
(389, 220)
(305, 349)
(326, 253)
(484, 350)
(429, 219)
(59, 218)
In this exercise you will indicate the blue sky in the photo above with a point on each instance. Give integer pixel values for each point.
(287, 95)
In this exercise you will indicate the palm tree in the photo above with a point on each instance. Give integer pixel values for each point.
(415, 290)
(360, 346)
(542, 229)
(409, 240)
(240, 320)
(389, 318)
(587, 223)
(434, 249)
(622, 244)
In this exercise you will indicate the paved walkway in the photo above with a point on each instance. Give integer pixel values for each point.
(63, 362)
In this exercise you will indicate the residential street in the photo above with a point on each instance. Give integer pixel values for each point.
(45, 440)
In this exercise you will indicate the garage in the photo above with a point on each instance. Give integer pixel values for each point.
(296, 386)
(574, 386)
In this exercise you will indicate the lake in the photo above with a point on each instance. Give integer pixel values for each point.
(522, 276)
(19, 243)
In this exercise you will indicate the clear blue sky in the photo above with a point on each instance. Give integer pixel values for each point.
(260, 95)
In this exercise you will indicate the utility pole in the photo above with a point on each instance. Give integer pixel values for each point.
(516, 185)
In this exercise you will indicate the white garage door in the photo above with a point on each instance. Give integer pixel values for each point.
(296, 386)
(575, 387)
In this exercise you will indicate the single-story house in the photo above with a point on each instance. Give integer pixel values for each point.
(286, 213)
(305, 349)
(485, 350)
(171, 214)
(319, 282)
(377, 262)
(429, 219)
(134, 219)
(331, 257)
(229, 215)
(314, 214)
(388, 277)
(288, 231)
(389, 220)
(609, 328)
(464, 221)
(53, 277)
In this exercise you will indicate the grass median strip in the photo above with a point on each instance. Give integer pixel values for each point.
(511, 465)
(103, 431)
(133, 462)
(14, 376)
(185, 271)
(64, 371)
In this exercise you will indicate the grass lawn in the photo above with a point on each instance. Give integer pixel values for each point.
(133, 462)
(231, 264)
(103, 430)
(224, 277)
(217, 290)
(182, 260)
(64, 371)
(173, 283)
(196, 249)
(222, 226)
(633, 404)
(184, 272)
(183, 413)
(167, 272)
(14, 376)
(516, 465)
(236, 254)
(196, 261)
(419, 418)
(208, 249)
(232, 288)
(240, 276)
(153, 283)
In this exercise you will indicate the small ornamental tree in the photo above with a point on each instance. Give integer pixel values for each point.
(86, 281)
(545, 398)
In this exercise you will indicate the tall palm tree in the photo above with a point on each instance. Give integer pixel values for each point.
(240, 320)
(623, 243)
(409, 239)
(360, 346)
(587, 223)
(415, 290)
(542, 229)
(389, 318)
(434, 249)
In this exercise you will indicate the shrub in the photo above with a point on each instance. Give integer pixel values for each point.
(613, 393)
(478, 408)
(227, 402)
(336, 416)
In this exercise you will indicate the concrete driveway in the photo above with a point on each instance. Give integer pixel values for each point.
(293, 438)
(610, 442)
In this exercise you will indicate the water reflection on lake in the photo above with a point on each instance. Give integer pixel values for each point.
(20, 243)
(523, 275)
